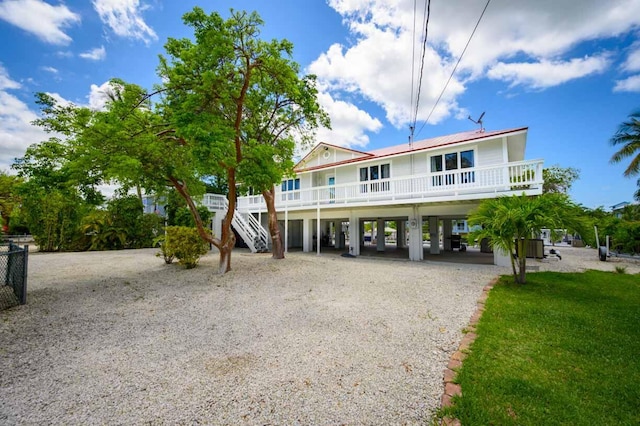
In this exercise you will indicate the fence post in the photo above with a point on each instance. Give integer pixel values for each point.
(10, 266)
(23, 299)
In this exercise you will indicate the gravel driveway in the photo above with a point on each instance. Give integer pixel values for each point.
(122, 338)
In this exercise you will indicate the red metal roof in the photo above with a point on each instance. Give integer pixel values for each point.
(425, 144)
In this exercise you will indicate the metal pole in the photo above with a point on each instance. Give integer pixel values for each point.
(23, 299)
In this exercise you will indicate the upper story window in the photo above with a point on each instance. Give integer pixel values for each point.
(450, 162)
(289, 185)
(372, 175)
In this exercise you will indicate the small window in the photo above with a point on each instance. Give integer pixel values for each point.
(374, 173)
(436, 163)
(291, 185)
(385, 171)
(466, 159)
(451, 161)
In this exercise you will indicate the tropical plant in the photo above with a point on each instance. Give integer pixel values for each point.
(511, 222)
(628, 137)
(559, 179)
(184, 244)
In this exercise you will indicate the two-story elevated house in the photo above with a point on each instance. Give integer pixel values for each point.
(351, 199)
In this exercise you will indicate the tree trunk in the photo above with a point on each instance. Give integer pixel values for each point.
(512, 255)
(227, 237)
(277, 248)
(139, 193)
(522, 260)
(227, 240)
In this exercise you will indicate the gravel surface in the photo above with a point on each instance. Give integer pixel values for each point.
(121, 338)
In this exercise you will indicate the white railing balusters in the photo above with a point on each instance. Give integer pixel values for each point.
(514, 177)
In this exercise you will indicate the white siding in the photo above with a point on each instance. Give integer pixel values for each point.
(326, 155)
(490, 153)
(401, 166)
(346, 174)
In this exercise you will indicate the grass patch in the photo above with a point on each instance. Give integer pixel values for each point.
(562, 349)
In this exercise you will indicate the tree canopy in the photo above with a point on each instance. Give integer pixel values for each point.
(627, 137)
(510, 222)
(559, 179)
(241, 101)
(230, 111)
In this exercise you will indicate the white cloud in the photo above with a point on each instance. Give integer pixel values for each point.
(5, 80)
(348, 123)
(519, 42)
(632, 62)
(630, 84)
(64, 54)
(124, 18)
(39, 18)
(52, 70)
(16, 131)
(96, 54)
(59, 99)
(99, 95)
(546, 73)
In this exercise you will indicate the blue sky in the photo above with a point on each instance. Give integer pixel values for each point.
(567, 69)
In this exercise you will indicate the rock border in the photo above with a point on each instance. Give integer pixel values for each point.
(451, 388)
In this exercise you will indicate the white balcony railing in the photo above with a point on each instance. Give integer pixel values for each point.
(513, 177)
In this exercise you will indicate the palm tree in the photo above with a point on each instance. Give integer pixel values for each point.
(510, 222)
(628, 136)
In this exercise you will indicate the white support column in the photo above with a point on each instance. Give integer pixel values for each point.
(447, 228)
(505, 159)
(415, 237)
(307, 232)
(355, 234)
(434, 234)
(380, 235)
(318, 239)
(400, 234)
(286, 231)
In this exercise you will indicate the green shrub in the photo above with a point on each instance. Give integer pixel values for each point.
(184, 244)
(183, 216)
(621, 269)
(165, 249)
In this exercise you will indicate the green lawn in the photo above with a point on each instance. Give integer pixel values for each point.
(561, 349)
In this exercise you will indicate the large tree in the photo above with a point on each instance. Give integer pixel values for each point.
(54, 198)
(559, 179)
(627, 137)
(9, 198)
(511, 222)
(241, 100)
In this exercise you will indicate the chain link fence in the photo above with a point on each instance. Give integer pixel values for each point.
(13, 275)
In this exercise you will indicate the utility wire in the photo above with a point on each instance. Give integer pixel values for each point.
(413, 60)
(424, 50)
(456, 67)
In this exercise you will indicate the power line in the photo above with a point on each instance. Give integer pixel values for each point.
(424, 50)
(456, 67)
(413, 58)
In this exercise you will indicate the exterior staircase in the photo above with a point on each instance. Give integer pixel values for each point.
(245, 224)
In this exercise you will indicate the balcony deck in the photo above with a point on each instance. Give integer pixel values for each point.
(465, 184)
